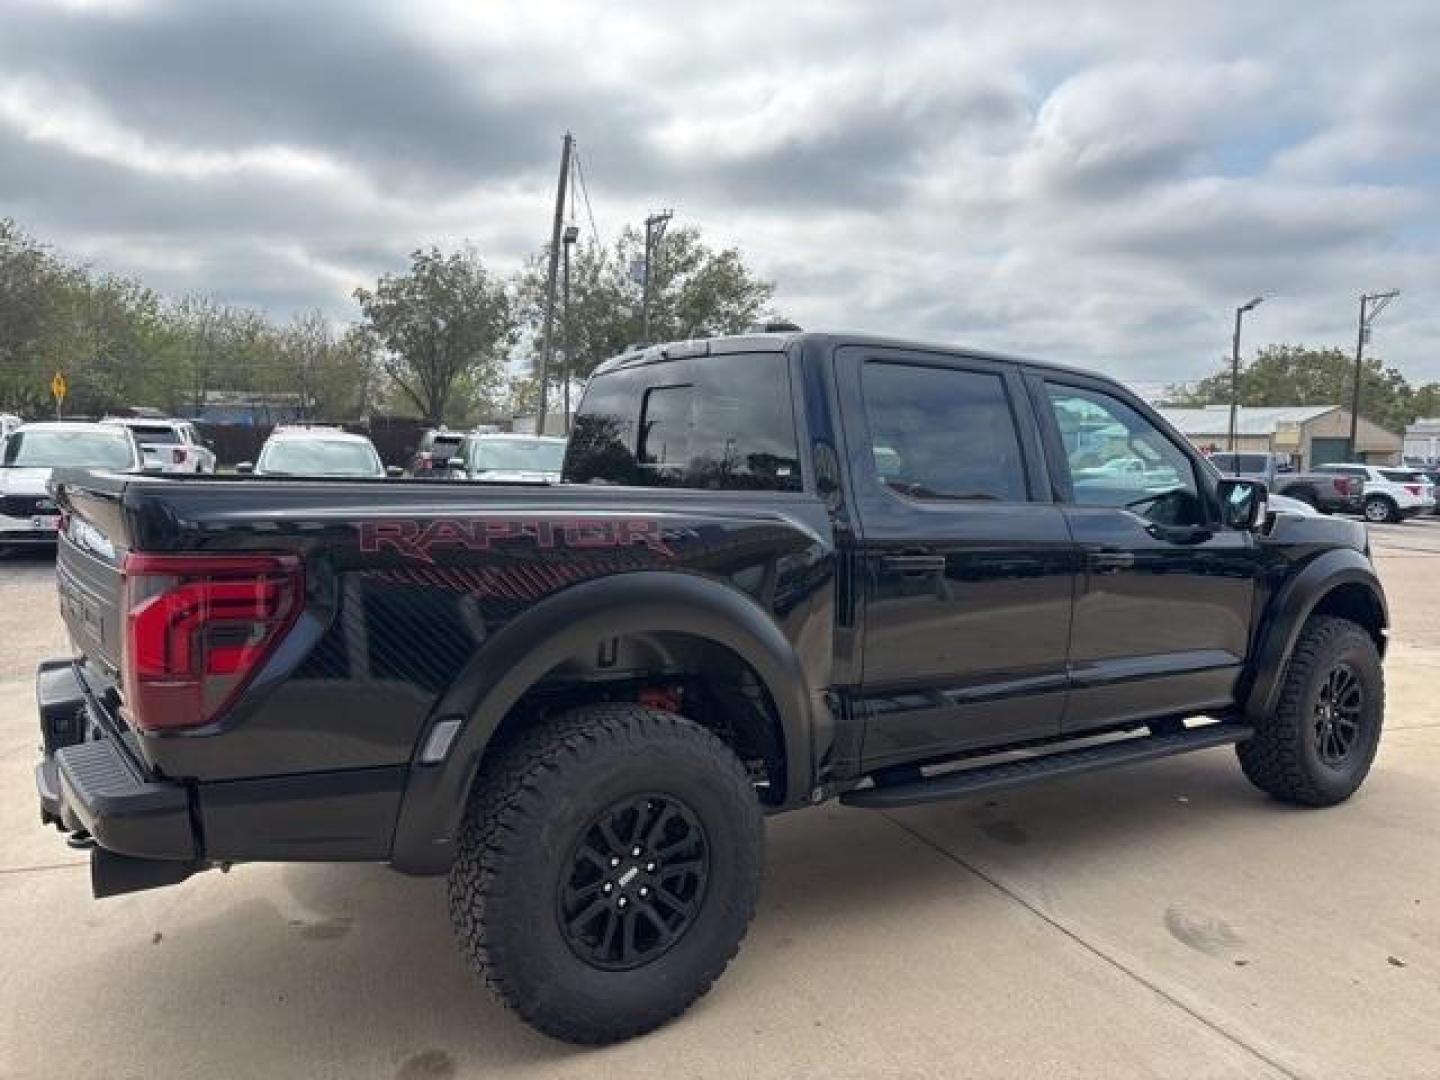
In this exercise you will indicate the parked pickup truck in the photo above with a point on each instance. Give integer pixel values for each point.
(1331, 493)
(785, 568)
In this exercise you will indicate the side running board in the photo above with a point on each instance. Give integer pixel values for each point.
(1012, 773)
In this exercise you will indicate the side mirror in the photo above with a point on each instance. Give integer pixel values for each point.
(1242, 503)
(245, 467)
(393, 471)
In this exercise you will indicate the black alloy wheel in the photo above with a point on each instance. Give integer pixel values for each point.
(637, 880)
(1339, 713)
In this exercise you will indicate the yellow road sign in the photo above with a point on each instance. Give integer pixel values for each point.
(58, 386)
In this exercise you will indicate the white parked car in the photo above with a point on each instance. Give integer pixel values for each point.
(28, 456)
(8, 423)
(317, 451)
(1391, 493)
(508, 459)
(170, 446)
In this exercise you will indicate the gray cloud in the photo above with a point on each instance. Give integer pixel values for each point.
(1097, 182)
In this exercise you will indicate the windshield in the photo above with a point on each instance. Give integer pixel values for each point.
(517, 455)
(69, 449)
(320, 457)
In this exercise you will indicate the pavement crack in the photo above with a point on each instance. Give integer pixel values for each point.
(42, 866)
(1093, 949)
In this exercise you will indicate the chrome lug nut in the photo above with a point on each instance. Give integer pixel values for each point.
(607, 888)
(623, 902)
(644, 891)
(649, 867)
(635, 852)
(614, 861)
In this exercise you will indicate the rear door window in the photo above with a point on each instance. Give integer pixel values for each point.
(942, 434)
(722, 423)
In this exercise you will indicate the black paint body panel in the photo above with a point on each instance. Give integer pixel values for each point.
(886, 630)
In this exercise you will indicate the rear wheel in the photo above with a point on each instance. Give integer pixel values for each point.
(609, 866)
(1379, 509)
(1317, 747)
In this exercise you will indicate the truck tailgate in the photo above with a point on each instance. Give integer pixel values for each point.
(87, 568)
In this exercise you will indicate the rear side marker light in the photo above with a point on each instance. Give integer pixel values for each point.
(198, 628)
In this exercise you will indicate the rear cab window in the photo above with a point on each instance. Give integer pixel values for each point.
(717, 423)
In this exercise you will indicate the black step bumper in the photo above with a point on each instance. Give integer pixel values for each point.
(90, 782)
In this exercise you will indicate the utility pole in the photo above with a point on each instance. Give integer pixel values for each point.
(1235, 374)
(572, 233)
(1371, 304)
(654, 233)
(545, 335)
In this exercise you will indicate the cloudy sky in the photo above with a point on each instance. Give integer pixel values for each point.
(1099, 183)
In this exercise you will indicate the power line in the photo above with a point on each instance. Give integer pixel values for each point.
(585, 193)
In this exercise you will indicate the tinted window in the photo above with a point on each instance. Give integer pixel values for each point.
(1116, 457)
(722, 422)
(157, 434)
(442, 446)
(1402, 476)
(942, 433)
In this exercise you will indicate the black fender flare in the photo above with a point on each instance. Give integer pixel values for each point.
(522, 652)
(1290, 607)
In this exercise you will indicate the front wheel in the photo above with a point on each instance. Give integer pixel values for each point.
(1317, 747)
(608, 868)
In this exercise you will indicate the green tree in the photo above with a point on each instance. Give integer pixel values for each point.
(444, 320)
(696, 291)
(1299, 375)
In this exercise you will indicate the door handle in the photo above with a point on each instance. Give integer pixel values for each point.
(1109, 561)
(914, 564)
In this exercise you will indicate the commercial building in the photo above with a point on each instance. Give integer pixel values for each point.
(1422, 441)
(1309, 434)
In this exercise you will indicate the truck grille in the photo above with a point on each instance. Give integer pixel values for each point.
(23, 506)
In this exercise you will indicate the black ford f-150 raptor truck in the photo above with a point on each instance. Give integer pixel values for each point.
(783, 569)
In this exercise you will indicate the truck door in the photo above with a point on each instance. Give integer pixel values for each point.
(968, 567)
(1162, 617)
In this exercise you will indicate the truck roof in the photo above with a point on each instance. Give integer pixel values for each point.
(779, 342)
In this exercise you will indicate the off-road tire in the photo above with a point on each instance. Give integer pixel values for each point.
(530, 808)
(1379, 508)
(1284, 757)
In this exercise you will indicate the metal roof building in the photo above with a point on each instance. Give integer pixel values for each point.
(1309, 434)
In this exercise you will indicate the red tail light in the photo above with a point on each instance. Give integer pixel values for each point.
(1413, 489)
(197, 628)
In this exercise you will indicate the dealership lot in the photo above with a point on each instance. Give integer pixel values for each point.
(1163, 920)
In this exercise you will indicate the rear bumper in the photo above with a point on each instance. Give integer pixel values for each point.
(17, 534)
(90, 781)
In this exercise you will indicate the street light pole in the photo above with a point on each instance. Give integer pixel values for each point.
(1235, 375)
(1368, 315)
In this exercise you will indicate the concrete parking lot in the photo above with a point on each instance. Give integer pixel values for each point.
(1165, 920)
